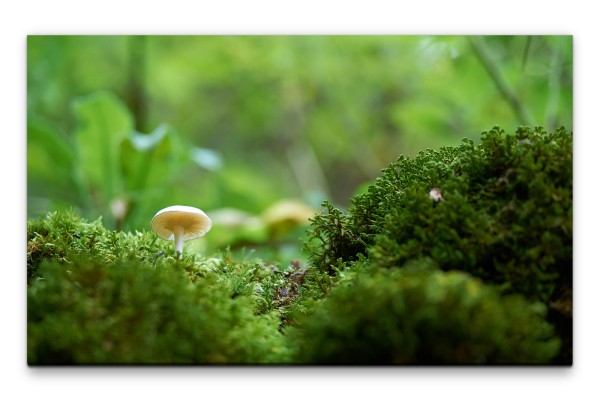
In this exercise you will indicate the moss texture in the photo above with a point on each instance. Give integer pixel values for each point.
(500, 210)
(97, 296)
(421, 316)
(462, 255)
(132, 313)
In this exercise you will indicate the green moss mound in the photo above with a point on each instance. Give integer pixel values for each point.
(423, 317)
(505, 214)
(500, 210)
(103, 297)
(132, 313)
(63, 236)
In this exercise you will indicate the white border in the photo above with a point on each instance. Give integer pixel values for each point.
(19, 19)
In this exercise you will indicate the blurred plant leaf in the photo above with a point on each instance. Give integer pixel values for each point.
(50, 157)
(206, 158)
(362, 102)
(286, 214)
(52, 179)
(150, 160)
(103, 122)
(234, 227)
(143, 142)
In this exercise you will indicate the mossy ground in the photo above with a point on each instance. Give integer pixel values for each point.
(97, 296)
(500, 211)
(482, 275)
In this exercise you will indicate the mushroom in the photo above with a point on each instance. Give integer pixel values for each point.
(180, 223)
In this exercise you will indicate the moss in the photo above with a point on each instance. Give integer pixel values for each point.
(105, 297)
(462, 255)
(134, 313)
(501, 211)
(423, 316)
(63, 236)
(506, 213)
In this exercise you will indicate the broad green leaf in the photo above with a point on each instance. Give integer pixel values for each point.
(50, 162)
(49, 154)
(103, 122)
(150, 160)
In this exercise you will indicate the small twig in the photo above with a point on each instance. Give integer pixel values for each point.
(495, 74)
(554, 90)
(526, 51)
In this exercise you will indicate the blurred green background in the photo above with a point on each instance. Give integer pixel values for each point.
(259, 130)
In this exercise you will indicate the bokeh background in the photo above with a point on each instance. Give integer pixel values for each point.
(259, 130)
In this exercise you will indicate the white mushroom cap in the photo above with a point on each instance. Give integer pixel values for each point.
(195, 222)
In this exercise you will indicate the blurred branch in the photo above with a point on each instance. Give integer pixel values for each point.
(307, 169)
(553, 90)
(137, 76)
(299, 152)
(482, 52)
(526, 51)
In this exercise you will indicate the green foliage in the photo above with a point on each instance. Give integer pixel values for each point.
(122, 126)
(126, 176)
(505, 216)
(107, 166)
(501, 211)
(423, 316)
(130, 312)
(334, 238)
(63, 236)
(255, 100)
(50, 162)
(98, 145)
(97, 296)
(103, 123)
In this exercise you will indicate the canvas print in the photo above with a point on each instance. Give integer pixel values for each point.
(299, 200)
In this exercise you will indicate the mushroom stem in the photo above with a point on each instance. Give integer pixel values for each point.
(178, 239)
